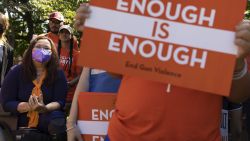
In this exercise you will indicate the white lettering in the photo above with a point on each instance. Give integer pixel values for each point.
(98, 114)
(140, 6)
(104, 115)
(121, 5)
(183, 60)
(150, 8)
(169, 52)
(132, 46)
(97, 138)
(94, 114)
(201, 60)
(156, 8)
(204, 18)
(114, 46)
(177, 11)
(150, 49)
(192, 17)
(151, 45)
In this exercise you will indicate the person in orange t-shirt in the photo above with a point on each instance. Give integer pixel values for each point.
(152, 111)
(68, 56)
(56, 20)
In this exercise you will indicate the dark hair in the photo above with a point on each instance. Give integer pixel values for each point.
(51, 66)
(70, 53)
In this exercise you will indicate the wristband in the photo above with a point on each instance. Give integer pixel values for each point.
(239, 74)
(70, 128)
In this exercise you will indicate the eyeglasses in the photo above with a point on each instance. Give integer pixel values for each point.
(55, 21)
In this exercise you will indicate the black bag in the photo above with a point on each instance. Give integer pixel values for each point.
(35, 135)
(5, 132)
(57, 128)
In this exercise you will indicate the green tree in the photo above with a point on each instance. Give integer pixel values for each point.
(247, 13)
(28, 17)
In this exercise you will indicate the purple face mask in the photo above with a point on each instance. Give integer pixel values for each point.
(41, 55)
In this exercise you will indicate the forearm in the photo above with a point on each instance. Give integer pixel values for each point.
(52, 106)
(11, 106)
(74, 107)
(240, 90)
(82, 86)
(240, 85)
(71, 121)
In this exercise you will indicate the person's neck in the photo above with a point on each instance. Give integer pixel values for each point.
(54, 33)
(39, 71)
(65, 44)
(39, 67)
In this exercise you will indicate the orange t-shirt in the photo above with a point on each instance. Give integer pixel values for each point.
(54, 38)
(146, 112)
(75, 69)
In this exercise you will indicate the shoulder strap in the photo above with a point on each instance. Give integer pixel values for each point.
(59, 48)
(4, 62)
(71, 55)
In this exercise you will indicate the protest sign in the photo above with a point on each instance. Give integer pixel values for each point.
(95, 110)
(185, 43)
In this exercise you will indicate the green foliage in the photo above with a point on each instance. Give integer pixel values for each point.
(45, 7)
(247, 13)
(31, 17)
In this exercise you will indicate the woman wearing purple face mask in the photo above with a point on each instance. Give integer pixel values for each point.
(41, 54)
(36, 90)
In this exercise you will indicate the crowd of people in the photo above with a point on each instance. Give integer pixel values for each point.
(48, 78)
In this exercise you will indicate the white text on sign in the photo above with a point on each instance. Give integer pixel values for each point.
(164, 53)
(180, 55)
(189, 14)
(98, 114)
(97, 138)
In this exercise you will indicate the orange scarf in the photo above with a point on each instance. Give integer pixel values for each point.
(34, 115)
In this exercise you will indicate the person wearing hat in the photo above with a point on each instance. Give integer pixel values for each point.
(56, 20)
(146, 111)
(68, 55)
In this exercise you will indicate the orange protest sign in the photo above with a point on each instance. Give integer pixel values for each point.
(185, 43)
(95, 110)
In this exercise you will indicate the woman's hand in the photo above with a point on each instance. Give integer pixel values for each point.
(242, 40)
(23, 107)
(82, 13)
(241, 78)
(36, 104)
(73, 134)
